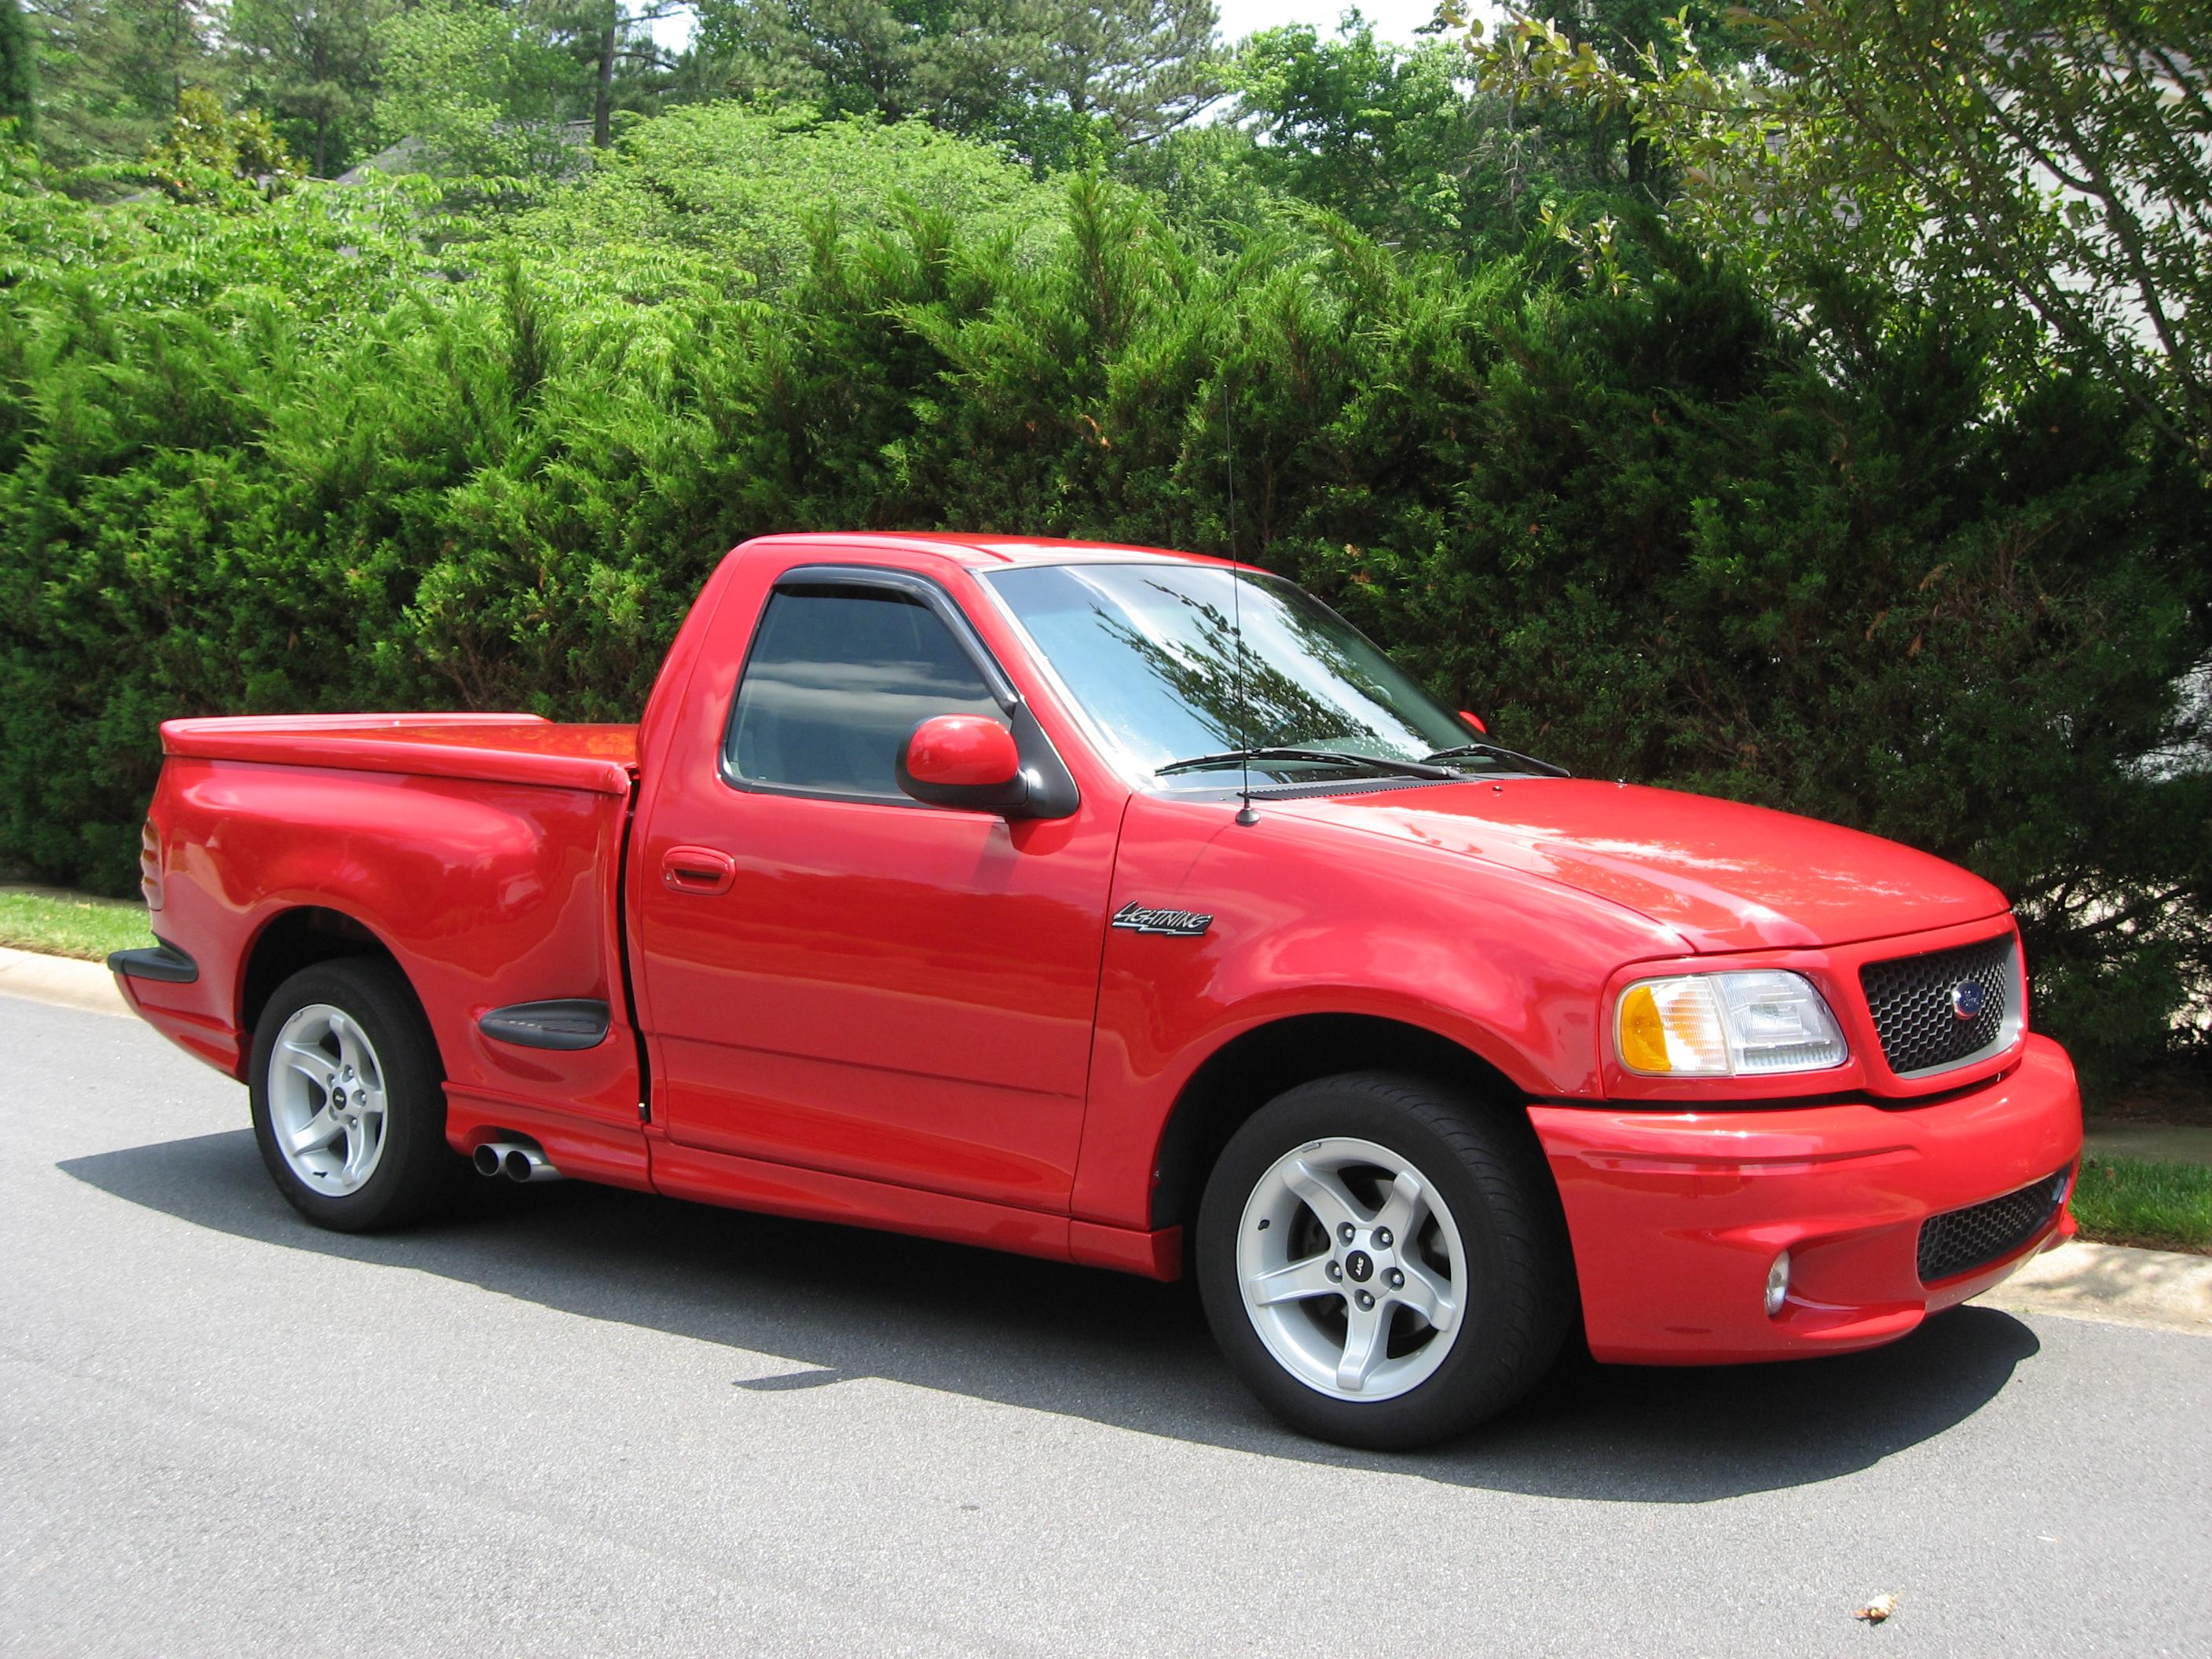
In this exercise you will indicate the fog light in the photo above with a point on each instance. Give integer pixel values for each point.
(1778, 1283)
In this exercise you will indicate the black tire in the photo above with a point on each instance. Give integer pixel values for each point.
(1518, 1306)
(417, 1174)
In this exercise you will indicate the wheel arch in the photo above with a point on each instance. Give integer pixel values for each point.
(1251, 1069)
(298, 936)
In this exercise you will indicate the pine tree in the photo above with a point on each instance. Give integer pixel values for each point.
(316, 65)
(1052, 77)
(114, 71)
(18, 71)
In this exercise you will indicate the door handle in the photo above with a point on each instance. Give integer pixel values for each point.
(699, 870)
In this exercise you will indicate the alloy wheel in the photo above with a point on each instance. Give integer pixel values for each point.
(326, 1099)
(1352, 1270)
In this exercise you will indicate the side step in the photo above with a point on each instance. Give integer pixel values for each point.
(163, 962)
(567, 1023)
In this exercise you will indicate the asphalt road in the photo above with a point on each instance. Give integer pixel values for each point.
(585, 1421)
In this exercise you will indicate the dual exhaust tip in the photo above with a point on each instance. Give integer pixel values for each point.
(515, 1161)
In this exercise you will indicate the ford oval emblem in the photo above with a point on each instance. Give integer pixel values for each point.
(1968, 999)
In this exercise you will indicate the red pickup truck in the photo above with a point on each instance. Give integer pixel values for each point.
(1129, 909)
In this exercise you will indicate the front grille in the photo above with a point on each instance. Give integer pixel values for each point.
(1959, 1241)
(1910, 1001)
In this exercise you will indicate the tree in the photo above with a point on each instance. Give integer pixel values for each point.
(890, 58)
(2054, 156)
(735, 196)
(112, 71)
(1144, 67)
(316, 64)
(1398, 142)
(1056, 81)
(482, 90)
(18, 71)
(208, 149)
(615, 35)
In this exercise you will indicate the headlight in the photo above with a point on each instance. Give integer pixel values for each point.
(1726, 1025)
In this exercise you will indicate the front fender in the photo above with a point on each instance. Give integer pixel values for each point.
(1310, 920)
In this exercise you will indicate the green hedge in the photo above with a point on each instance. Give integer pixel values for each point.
(285, 459)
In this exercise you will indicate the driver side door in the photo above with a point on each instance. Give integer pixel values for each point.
(843, 977)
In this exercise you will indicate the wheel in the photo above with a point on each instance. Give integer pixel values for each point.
(349, 1098)
(1383, 1263)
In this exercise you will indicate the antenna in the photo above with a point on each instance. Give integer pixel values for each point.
(1245, 815)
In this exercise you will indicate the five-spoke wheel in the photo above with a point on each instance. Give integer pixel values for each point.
(1353, 1269)
(1382, 1259)
(349, 1097)
(326, 1098)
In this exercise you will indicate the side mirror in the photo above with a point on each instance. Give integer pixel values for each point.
(1475, 721)
(964, 760)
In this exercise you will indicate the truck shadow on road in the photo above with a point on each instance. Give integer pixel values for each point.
(840, 1303)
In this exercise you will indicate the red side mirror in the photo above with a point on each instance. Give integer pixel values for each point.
(1475, 721)
(963, 760)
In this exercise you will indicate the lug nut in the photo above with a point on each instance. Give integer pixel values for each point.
(1397, 1280)
(1382, 1239)
(1335, 1271)
(1366, 1298)
(1345, 1233)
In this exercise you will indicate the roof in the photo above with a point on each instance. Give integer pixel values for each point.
(988, 552)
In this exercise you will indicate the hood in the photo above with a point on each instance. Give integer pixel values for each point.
(1725, 876)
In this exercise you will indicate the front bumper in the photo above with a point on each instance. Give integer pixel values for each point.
(1676, 1216)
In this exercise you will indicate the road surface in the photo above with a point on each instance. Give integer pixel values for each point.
(577, 1420)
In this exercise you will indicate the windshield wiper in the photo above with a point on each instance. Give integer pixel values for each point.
(1403, 768)
(1498, 751)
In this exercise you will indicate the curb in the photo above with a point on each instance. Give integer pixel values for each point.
(2153, 1289)
(62, 981)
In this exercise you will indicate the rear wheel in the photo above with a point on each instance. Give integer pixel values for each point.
(1382, 1261)
(349, 1098)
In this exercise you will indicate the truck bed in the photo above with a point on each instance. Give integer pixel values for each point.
(483, 852)
(523, 749)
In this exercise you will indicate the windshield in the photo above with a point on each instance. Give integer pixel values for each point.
(1149, 650)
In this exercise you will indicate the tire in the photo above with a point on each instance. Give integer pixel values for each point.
(1488, 1248)
(345, 1073)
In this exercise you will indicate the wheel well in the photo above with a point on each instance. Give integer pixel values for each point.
(1252, 1069)
(294, 940)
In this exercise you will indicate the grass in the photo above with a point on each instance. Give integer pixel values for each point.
(2161, 1207)
(70, 924)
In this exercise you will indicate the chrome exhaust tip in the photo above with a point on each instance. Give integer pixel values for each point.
(527, 1163)
(514, 1161)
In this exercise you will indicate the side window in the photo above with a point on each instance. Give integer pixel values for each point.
(836, 680)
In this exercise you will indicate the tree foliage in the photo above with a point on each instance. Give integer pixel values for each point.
(282, 459)
(112, 71)
(475, 91)
(317, 67)
(735, 197)
(18, 71)
(1398, 142)
(2051, 157)
(207, 151)
(1059, 82)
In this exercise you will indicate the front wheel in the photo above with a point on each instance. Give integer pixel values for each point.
(349, 1098)
(1381, 1263)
